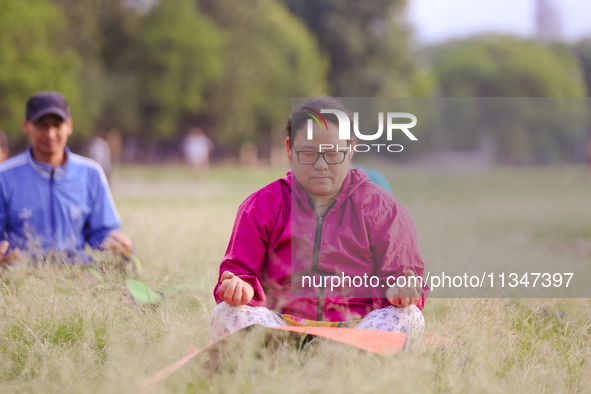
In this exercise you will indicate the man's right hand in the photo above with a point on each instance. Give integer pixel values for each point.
(7, 258)
(235, 291)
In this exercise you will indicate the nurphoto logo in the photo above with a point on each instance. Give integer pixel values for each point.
(345, 129)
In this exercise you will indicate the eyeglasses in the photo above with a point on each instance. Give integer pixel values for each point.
(311, 157)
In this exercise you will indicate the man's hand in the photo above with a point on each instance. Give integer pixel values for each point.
(118, 243)
(10, 257)
(235, 291)
(402, 297)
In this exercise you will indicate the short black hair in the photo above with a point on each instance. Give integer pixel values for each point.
(298, 117)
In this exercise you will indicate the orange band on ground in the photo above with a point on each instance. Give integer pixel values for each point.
(380, 342)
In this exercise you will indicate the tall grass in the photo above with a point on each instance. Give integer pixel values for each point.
(63, 330)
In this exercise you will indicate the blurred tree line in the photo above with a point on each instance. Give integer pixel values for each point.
(534, 131)
(152, 69)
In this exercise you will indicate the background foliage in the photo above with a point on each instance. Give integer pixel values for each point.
(153, 69)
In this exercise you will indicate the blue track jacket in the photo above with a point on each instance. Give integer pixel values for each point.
(59, 209)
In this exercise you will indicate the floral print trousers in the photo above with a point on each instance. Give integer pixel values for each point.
(227, 319)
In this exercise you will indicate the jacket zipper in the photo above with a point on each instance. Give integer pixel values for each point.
(315, 258)
(51, 207)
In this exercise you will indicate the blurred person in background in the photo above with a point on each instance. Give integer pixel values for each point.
(100, 151)
(115, 142)
(196, 149)
(375, 176)
(337, 221)
(53, 196)
(3, 146)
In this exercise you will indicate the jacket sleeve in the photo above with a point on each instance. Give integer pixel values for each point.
(103, 215)
(394, 238)
(246, 253)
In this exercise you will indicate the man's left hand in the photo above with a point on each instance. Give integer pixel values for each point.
(118, 243)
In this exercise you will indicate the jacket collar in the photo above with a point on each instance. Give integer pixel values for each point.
(45, 169)
(352, 181)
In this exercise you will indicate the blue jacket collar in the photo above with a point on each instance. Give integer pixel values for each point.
(44, 169)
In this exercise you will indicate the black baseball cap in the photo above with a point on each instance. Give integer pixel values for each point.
(45, 103)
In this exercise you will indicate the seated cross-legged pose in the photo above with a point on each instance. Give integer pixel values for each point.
(323, 220)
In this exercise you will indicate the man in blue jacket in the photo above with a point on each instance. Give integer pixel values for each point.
(52, 200)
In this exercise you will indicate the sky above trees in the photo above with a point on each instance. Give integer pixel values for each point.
(437, 20)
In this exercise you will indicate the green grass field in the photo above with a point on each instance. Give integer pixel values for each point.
(62, 330)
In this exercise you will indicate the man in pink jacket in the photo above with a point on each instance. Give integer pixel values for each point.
(322, 223)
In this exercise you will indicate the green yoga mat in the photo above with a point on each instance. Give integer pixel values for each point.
(141, 293)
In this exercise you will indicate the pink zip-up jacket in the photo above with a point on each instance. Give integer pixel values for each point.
(364, 231)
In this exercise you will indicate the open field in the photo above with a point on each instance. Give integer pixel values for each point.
(61, 330)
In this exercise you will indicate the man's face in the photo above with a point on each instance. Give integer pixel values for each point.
(49, 134)
(320, 178)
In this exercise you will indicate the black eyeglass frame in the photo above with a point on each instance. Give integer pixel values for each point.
(344, 152)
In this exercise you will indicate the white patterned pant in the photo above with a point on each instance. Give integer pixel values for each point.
(227, 319)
